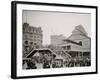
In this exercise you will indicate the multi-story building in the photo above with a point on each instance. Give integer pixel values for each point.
(78, 44)
(32, 38)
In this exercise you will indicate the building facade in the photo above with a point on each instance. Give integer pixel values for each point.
(32, 38)
(78, 44)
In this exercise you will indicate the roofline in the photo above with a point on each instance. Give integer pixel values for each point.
(41, 49)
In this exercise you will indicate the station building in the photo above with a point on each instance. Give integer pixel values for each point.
(78, 44)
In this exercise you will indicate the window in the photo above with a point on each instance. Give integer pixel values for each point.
(68, 47)
(25, 36)
(80, 42)
(31, 43)
(29, 29)
(34, 43)
(64, 47)
(26, 42)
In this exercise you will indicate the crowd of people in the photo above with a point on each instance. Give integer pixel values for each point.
(30, 64)
(76, 63)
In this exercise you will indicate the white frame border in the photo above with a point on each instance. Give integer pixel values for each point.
(21, 72)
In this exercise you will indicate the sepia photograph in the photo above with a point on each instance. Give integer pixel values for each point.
(56, 39)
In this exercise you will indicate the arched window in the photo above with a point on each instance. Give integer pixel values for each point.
(26, 42)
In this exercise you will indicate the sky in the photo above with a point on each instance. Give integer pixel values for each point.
(56, 23)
